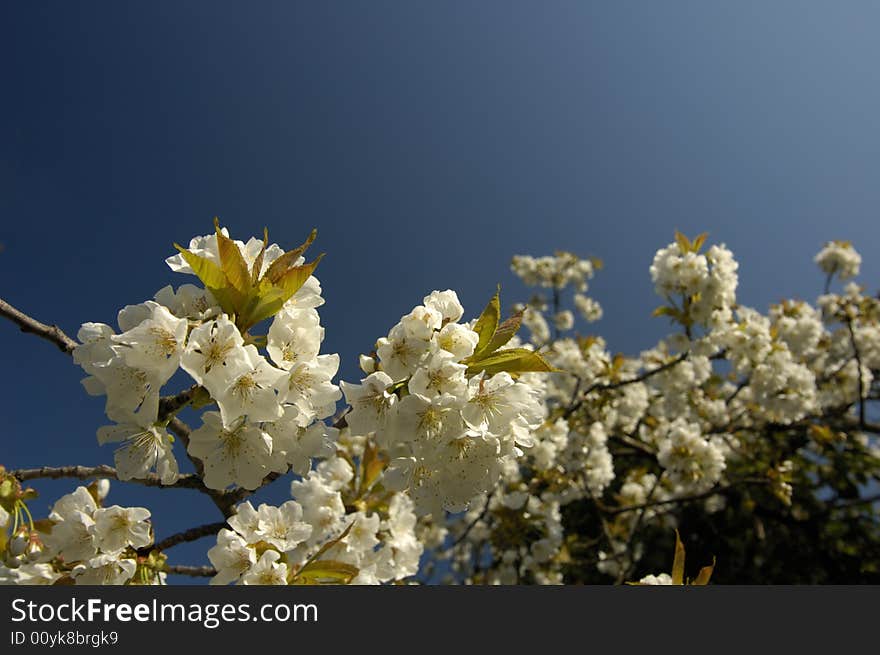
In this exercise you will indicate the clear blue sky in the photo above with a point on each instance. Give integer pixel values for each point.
(427, 142)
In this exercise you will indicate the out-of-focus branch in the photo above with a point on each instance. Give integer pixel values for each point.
(852, 340)
(609, 386)
(715, 491)
(194, 571)
(31, 325)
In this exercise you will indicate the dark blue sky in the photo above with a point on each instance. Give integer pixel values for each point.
(427, 142)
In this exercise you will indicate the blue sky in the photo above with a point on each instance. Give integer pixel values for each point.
(428, 142)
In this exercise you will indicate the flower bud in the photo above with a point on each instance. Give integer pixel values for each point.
(34, 548)
(18, 544)
(13, 561)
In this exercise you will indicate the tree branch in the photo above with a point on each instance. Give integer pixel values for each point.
(194, 571)
(609, 386)
(31, 325)
(614, 511)
(186, 481)
(183, 537)
(852, 340)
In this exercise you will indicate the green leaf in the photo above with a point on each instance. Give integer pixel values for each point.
(214, 279)
(326, 571)
(258, 261)
(678, 562)
(684, 244)
(232, 262)
(665, 310)
(372, 464)
(511, 360)
(505, 332)
(271, 297)
(699, 241)
(281, 265)
(207, 271)
(704, 574)
(487, 324)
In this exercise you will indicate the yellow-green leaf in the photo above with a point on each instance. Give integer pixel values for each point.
(281, 265)
(295, 277)
(326, 571)
(232, 262)
(487, 324)
(511, 360)
(258, 261)
(699, 241)
(214, 279)
(665, 310)
(206, 270)
(504, 332)
(704, 574)
(678, 561)
(272, 296)
(372, 464)
(684, 244)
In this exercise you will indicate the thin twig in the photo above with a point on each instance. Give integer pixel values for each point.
(852, 340)
(609, 386)
(686, 499)
(31, 325)
(472, 524)
(186, 481)
(187, 535)
(194, 571)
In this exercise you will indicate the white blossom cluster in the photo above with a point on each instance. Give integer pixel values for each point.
(688, 407)
(448, 435)
(706, 282)
(89, 543)
(556, 272)
(274, 545)
(442, 450)
(270, 405)
(839, 258)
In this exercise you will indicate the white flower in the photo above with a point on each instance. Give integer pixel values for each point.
(294, 336)
(420, 418)
(238, 454)
(446, 303)
(231, 557)
(104, 570)
(362, 536)
(660, 579)
(839, 258)
(215, 354)
(295, 446)
(155, 344)
(252, 392)
(309, 388)
(563, 320)
(369, 402)
(440, 374)
(117, 527)
(401, 352)
(144, 449)
(457, 339)
(189, 301)
(495, 401)
(267, 570)
(282, 526)
(588, 308)
(73, 538)
(79, 501)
